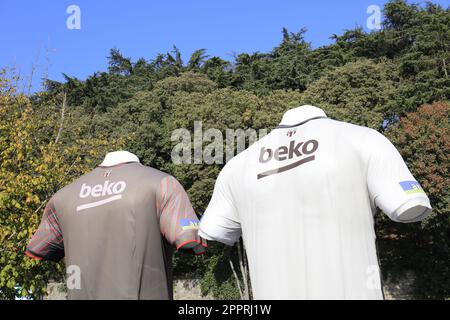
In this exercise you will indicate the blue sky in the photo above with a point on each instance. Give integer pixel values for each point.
(35, 32)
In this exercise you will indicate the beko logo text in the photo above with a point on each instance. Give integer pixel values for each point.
(284, 153)
(112, 189)
(102, 190)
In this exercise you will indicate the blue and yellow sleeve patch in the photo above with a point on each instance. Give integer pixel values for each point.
(411, 187)
(189, 224)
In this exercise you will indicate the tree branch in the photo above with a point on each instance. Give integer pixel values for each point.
(243, 269)
(63, 110)
(237, 279)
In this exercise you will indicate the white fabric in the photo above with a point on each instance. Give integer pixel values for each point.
(118, 157)
(300, 114)
(413, 210)
(308, 229)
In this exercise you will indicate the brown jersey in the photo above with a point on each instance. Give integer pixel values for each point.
(116, 227)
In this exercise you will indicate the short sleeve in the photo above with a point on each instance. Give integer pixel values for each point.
(392, 187)
(220, 221)
(177, 219)
(47, 242)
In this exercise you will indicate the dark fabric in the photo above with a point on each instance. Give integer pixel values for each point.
(110, 221)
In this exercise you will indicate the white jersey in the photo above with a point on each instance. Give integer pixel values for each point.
(303, 198)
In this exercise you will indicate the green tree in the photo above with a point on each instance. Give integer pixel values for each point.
(197, 59)
(291, 62)
(423, 139)
(219, 71)
(34, 164)
(118, 64)
(360, 92)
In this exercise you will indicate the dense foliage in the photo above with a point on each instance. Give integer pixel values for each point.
(378, 79)
(423, 138)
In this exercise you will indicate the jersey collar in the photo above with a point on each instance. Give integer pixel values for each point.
(118, 157)
(301, 115)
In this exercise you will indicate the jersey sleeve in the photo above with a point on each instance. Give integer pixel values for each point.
(177, 219)
(392, 187)
(220, 221)
(47, 242)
